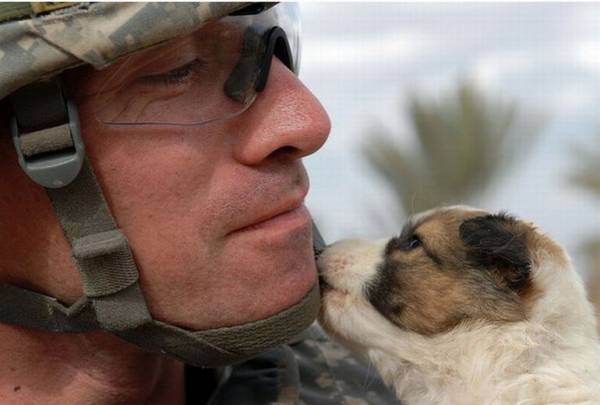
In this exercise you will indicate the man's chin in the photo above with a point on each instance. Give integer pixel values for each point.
(245, 280)
(270, 278)
(240, 299)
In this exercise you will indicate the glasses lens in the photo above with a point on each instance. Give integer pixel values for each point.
(207, 76)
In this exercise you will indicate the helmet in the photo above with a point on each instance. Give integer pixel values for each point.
(37, 45)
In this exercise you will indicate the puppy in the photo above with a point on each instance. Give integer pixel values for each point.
(465, 307)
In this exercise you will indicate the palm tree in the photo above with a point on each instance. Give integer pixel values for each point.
(587, 177)
(463, 142)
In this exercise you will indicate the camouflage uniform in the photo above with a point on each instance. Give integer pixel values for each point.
(311, 370)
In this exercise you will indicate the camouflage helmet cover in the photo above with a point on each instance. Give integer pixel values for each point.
(95, 34)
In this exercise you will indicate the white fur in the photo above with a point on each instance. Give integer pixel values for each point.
(551, 358)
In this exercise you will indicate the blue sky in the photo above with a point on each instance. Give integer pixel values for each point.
(362, 59)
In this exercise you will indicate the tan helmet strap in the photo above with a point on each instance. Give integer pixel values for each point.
(46, 137)
(109, 275)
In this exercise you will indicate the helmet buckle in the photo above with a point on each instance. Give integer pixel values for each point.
(51, 156)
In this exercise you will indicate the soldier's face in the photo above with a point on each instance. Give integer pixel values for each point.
(214, 214)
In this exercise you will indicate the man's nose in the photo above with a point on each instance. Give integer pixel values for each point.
(285, 119)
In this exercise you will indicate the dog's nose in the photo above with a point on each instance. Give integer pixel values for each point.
(348, 264)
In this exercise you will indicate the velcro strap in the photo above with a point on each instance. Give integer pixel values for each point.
(98, 244)
(122, 311)
(33, 310)
(46, 140)
(39, 105)
(105, 263)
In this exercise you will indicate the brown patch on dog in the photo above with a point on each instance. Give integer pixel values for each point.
(452, 265)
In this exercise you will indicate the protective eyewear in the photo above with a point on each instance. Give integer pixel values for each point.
(211, 75)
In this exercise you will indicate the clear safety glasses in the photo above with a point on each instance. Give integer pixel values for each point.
(210, 75)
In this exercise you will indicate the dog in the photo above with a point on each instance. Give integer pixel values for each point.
(465, 307)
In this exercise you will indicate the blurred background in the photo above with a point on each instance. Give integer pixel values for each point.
(492, 105)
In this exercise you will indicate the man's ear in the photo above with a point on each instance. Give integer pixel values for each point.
(498, 243)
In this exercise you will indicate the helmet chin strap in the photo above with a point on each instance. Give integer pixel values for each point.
(45, 132)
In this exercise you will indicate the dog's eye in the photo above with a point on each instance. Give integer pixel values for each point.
(413, 243)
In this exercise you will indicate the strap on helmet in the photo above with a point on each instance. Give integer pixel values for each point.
(45, 132)
(101, 252)
(55, 159)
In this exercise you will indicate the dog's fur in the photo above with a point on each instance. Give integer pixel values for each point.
(465, 307)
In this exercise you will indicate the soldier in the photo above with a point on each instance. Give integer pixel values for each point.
(155, 246)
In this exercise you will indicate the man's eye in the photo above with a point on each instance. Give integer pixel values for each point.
(413, 243)
(178, 76)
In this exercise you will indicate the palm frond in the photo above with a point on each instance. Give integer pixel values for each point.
(460, 145)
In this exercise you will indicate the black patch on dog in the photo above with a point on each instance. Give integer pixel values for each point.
(380, 292)
(392, 245)
(497, 243)
(379, 289)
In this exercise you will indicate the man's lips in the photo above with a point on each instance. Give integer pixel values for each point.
(293, 211)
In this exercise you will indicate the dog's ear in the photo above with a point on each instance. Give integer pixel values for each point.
(498, 243)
